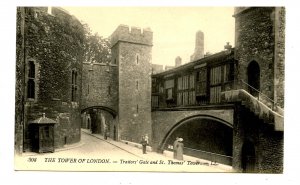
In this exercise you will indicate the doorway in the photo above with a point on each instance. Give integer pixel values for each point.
(115, 133)
(253, 78)
(248, 157)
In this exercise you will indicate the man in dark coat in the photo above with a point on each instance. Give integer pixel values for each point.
(144, 144)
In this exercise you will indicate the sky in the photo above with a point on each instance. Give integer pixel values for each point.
(174, 28)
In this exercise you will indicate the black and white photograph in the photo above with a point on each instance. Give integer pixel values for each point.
(159, 90)
(136, 100)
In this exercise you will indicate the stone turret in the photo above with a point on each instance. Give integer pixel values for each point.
(132, 52)
(132, 35)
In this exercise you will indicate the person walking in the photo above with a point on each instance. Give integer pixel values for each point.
(106, 134)
(144, 144)
(147, 139)
(180, 145)
(175, 148)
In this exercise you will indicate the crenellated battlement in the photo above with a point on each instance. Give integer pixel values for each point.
(132, 34)
(239, 10)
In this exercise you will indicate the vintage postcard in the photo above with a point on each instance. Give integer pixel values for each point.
(150, 89)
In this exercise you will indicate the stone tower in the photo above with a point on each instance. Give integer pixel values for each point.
(259, 53)
(132, 52)
(199, 46)
(48, 71)
(260, 50)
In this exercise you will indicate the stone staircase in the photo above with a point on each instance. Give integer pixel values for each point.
(271, 115)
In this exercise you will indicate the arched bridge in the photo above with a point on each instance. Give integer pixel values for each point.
(108, 109)
(204, 130)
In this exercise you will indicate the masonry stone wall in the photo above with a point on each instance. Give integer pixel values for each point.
(19, 96)
(164, 121)
(132, 50)
(54, 42)
(260, 36)
(268, 144)
(279, 60)
(255, 41)
(99, 85)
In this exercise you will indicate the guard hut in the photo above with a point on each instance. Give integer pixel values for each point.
(42, 130)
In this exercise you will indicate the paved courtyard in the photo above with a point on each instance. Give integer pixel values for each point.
(93, 153)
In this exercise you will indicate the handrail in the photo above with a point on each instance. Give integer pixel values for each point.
(210, 153)
(272, 101)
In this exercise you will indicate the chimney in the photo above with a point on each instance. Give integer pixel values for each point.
(227, 46)
(178, 61)
(199, 45)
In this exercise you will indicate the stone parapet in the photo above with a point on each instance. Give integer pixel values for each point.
(136, 35)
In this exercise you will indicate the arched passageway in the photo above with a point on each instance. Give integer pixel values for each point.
(100, 120)
(204, 137)
(253, 73)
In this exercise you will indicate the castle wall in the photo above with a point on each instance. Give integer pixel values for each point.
(259, 36)
(99, 85)
(254, 41)
(54, 43)
(268, 144)
(19, 96)
(132, 51)
(279, 56)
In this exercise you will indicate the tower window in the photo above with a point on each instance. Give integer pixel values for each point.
(137, 108)
(137, 58)
(74, 86)
(137, 85)
(31, 80)
(109, 90)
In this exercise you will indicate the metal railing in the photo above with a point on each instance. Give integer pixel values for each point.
(260, 94)
(213, 157)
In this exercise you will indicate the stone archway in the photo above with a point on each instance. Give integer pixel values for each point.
(253, 72)
(204, 136)
(248, 157)
(101, 120)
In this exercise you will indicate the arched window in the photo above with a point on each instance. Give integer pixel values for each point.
(137, 85)
(31, 80)
(137, 58)
(74, 86)
(253, 78)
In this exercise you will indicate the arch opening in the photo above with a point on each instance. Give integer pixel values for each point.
(248, 157)
(100, 120)
(253, 73)
(204, 137)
